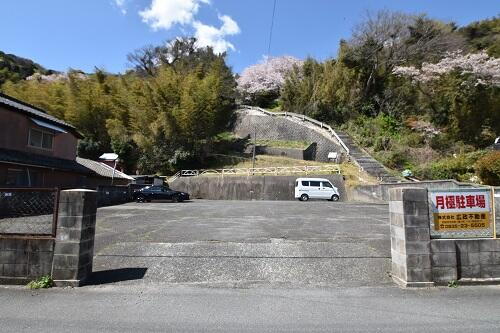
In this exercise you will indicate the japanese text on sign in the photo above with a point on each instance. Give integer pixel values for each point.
(458, 211)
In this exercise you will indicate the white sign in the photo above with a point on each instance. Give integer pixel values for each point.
(460, 213)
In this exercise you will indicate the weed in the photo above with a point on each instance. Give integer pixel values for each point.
(453, 284)
(42, 282)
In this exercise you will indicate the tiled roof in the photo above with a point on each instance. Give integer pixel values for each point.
(34, 112)
(30, 159)
(102, 169)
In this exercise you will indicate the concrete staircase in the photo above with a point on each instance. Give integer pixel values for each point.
(366, 162)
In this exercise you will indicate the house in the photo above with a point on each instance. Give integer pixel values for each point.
(37, 149)
(103, 174)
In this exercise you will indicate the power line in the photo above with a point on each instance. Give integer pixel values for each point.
(271, 30)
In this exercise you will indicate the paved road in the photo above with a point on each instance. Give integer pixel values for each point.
(238, 243)
(166, 308)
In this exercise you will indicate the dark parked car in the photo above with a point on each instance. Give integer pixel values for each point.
(159, 193)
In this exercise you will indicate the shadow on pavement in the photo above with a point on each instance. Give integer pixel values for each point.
(116, 275)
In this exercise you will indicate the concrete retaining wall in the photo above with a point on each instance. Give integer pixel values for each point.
(380, 193)
(247, 188)
(308, 154)
(279, 128)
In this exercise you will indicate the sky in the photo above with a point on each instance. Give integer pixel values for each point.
(83, 34)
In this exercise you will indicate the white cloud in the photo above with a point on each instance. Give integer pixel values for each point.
(121, 6)
(162, 14)
(208, 35)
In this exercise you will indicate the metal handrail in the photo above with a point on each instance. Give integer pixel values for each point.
(303, 118)
(256, 171)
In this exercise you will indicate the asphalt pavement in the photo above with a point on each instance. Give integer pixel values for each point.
(168, 308)
(239, 243)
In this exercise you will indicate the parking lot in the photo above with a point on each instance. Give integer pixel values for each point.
(221, 241)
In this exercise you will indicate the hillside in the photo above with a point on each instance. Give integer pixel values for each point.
(14, 68)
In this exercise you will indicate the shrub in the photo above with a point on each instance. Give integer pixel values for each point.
(460, 167)
(488, 168)
(393, 159)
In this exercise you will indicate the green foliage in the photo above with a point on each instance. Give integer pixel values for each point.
(461, 167)
(284, 144)
(42, 282)
(453, 284)
(14, 68)
(87, 148)
(488, 168)
(484, 35)
(159, 117)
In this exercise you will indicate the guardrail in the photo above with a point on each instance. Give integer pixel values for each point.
(303, 118)
(256, 171)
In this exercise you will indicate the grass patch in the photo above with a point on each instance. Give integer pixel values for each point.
(42, 282)
(284, 144)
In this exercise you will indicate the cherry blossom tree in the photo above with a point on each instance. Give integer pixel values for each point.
(265, 78)
(479, 67)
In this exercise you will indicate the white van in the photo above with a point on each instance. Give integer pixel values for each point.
(315, 188)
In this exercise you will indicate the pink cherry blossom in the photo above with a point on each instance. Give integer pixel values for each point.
(480, 67)
(268, 76)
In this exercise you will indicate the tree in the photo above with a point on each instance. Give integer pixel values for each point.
(463, 92)
(260, 84)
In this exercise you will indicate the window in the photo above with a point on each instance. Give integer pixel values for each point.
(316, 184)
(326, 184)
(35, 178)
(40, 139)
(16, 177)
(305, 183)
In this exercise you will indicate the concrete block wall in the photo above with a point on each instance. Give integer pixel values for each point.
(465, 259)
(418, 260)
(74, 246)
(410, 237)
(68, 258)
(25, 259)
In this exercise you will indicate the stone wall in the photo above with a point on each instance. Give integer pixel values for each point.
(248, 188)
(418, 260)
(280, 128)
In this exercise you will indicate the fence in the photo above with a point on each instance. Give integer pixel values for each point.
(28, 211)
(257, 171)
(109, 195)
(303, 118)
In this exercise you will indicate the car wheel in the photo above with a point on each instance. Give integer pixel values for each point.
(176, 198)
(140, 199)
(335, 197)
(304, 197)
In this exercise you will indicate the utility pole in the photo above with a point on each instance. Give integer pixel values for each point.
(254, 148)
